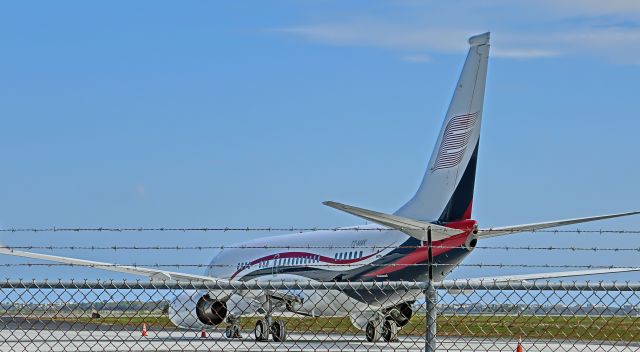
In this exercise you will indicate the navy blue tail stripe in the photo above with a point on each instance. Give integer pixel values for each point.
(463, 195)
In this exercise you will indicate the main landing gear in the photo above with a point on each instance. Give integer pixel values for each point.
(385, 328)
(267, 326)
(276, 328)
(264, 327)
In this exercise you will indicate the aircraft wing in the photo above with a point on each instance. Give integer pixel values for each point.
(499, 231)
(152, 274)
(541, 276)
(413, 228)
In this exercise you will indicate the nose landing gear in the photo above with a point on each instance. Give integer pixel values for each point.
(232, 331)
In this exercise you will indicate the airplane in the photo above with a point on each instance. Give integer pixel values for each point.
(435, 227)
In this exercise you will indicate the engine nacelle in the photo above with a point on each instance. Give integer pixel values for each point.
(197, 309)
(211, 311)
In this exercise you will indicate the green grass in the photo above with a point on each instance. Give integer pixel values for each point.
(508, 326)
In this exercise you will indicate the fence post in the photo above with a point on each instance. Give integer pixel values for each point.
(431, 299)
(431, 296)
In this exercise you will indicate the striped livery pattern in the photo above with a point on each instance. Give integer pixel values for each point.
(455, 140)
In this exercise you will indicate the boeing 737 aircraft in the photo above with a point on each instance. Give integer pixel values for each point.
(395, 248)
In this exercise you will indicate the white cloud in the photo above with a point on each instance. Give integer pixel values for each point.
(624, 8)
(525, 53)
(619, 44)
(383, 35)
(520, 30)
(417, 58)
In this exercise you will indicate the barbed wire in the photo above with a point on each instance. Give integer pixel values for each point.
(221, 247)
(187, 265)
(284, 229)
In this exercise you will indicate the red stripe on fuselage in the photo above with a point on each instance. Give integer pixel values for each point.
(303, 255)
(421, 254)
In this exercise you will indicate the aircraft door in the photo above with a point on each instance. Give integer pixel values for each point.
(275, 268)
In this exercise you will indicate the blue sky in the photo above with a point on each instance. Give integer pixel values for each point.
(253, 113)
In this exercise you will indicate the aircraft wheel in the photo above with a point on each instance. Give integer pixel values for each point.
(373, 331)
(232, 331)
(261, 331)
(279, 331)
(390, 330)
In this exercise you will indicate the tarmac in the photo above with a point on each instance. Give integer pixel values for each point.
(45, 336)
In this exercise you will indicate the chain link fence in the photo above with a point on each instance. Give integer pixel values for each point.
(284, 316)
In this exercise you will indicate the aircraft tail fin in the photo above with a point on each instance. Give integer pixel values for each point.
(446, 192)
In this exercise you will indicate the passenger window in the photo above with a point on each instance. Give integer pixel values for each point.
(360, 254)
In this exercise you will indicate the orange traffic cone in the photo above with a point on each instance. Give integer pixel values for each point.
(203, 334)
(519, 348)
(144, 329)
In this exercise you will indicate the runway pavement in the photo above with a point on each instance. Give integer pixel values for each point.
(94, 337)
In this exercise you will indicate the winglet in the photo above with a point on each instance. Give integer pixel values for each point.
(414, 228)
(479, 39)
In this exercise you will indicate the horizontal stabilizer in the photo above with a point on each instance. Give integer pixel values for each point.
(542, 276)
(505, 230)
(414, 228)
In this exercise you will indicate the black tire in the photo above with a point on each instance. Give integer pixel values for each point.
(228, 332)
(232, 332)
(372, 331)
(261, 331)
(390, 330)
(279, 331)
(236, 332)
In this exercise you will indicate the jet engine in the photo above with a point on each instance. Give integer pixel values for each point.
(194, 309)
(197, 309)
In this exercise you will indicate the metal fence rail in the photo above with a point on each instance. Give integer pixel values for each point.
(478, 316)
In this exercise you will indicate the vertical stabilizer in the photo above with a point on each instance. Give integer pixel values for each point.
(446, 192)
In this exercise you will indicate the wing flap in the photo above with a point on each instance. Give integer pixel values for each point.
(152, 274)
